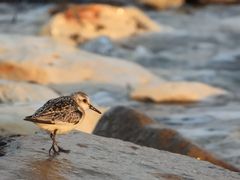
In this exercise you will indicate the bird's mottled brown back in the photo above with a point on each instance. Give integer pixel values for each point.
(62, 109)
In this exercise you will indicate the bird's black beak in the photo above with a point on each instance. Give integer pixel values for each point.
(94, 109)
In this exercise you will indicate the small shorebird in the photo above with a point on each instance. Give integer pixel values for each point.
(61, 115)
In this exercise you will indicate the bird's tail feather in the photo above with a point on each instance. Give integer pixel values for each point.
(28, 118)
(31, 119)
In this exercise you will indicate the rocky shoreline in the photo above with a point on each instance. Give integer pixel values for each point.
(179, 67)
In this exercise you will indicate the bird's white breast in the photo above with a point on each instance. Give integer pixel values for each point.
(61, 127)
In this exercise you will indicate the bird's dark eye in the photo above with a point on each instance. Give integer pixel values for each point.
(85, 100)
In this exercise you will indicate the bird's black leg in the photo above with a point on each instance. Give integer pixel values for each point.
(55, 144)
(52, 136)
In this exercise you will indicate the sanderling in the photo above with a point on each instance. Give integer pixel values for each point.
(61, 115)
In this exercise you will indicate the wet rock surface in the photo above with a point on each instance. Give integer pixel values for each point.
(94, 157)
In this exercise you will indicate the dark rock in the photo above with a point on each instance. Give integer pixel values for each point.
(129, 125)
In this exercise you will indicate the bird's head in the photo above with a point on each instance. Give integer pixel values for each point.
(83, 101)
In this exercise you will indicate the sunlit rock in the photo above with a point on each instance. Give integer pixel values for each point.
(84, 22)
(176, 92)
(44, 61)
(13, 91)
(163, 4)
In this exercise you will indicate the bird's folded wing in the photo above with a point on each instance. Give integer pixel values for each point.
(59, 117)
(30, 118)
(57, 111)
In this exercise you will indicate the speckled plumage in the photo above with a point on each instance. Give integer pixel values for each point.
(61, 109)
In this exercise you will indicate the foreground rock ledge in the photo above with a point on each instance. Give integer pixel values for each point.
(94, 157)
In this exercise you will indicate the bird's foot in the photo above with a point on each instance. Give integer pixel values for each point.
(53, 149)
(63, 150)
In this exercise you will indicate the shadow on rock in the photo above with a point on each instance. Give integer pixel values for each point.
(129, 125)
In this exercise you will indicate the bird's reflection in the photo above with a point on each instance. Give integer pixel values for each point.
(51, 168)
